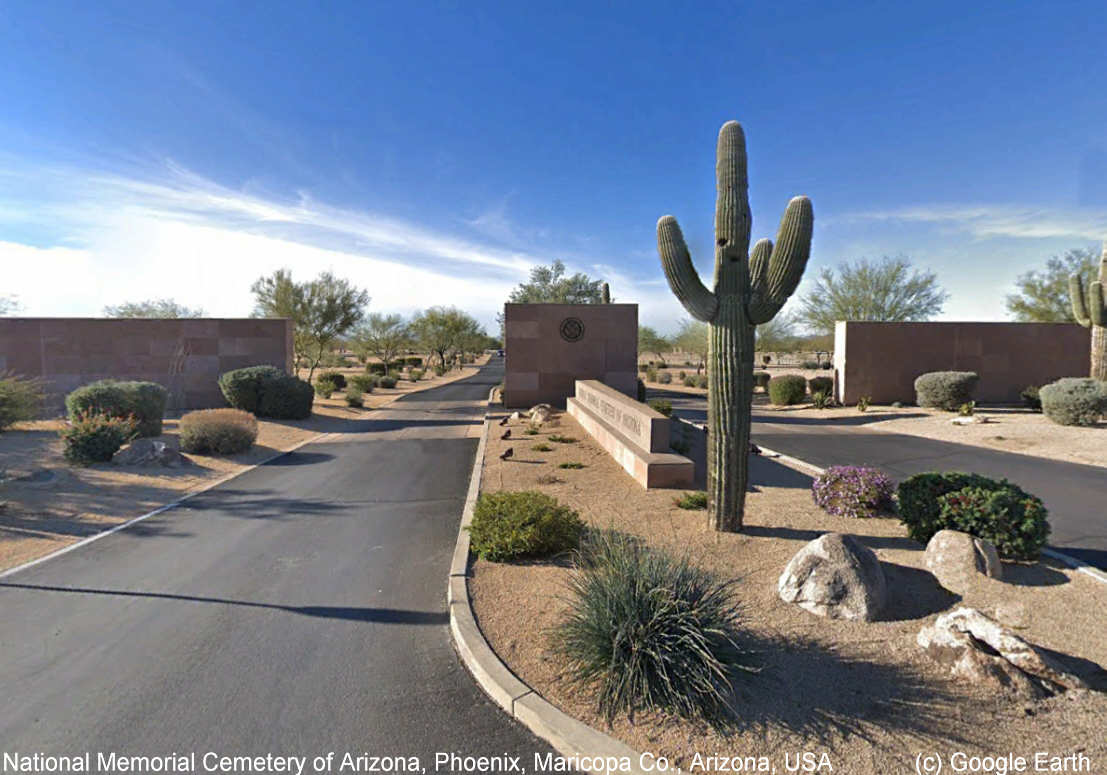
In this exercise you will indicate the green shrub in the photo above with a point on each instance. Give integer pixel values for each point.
(531, 431)
(414, 361)
(1018, 532)
(415, 375)
(809, 365)
(387, 382)
(689, 382)
(863, 403)
(662, 406)
(364, 383)
(93, 437)
(572, 466)
(439, 370)
(542, 447)
(563, 439)
(337, 377)
(945, 389)
(242, 387)
(218, 431)
(20, 399)
(1074, 401)
(651, 374)
(646, 632)
(514, 525)
(325, 387)
(354, 397)
(821, 400)
(787, 389)
(1031, 398)
(642, 367)
(821, 385)
(967, 409)
(376, 368)
(286, 398)
(702, 382)
(144, 401)
(692, 500)
(761, 379)
(665, 378)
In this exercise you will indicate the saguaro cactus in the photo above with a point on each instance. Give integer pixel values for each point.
(749, 289)
(606, 294)
(1090, 310)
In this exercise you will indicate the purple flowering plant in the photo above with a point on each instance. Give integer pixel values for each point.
(853, 491)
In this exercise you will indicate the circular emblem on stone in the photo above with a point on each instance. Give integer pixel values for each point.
(572, 330)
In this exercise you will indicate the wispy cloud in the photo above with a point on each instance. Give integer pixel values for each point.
(1003, 220)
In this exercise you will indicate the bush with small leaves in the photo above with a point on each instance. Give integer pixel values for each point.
(144, 401)
(701, 383)
(665, 378)
(337, 377)
(363, 382)
(662, 406)
(1074, 401)
(354, 397)
(945, 389)
(376, 368)
(821, 385)
(761, 379)
(218, 431)
(809, 365)
(689, 382)
(853, 491)
(692, 501)
(243, 387)
(388, 382)
(325, 388)
(521, 524)
(20, 399)
(787, 389)
(415, 375)
(645, 632)
(286, 398)
(1031, 398)
(93, 437)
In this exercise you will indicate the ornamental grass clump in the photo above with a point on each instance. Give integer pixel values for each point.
(853, 491)
(522, 524)
(647, 632)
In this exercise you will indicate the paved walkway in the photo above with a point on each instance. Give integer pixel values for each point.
(298, 609)
(1076, 495)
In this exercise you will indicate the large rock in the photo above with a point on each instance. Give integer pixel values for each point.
(835, 576)
(150, 452)
(982, 651)
(958, 559)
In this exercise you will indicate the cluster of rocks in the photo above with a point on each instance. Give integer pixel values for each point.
(838, 577)
(149, 453)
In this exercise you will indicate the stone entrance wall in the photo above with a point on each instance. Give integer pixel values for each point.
(882, 360)
(186, 356)
(548, 347)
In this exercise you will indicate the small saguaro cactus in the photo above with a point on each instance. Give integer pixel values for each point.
(750, 288)
(606, 294)
(1090, 310)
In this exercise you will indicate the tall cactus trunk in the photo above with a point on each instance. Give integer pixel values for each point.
(1090, 310)
(749, 289)
(1099, 353)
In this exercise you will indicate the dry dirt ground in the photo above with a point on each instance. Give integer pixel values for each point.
(46, 503)
(862, 693)
(1008, 429)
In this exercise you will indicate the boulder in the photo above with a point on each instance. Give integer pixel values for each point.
(540, 413)
(982, 651)
(958, 559)
(514, 417)
(150, 452)
(835, 576)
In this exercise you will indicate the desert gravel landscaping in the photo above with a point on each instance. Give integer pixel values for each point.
(864, 693)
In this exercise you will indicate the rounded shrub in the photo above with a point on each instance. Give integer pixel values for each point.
(945, 389)
(242, 387)
(787, 389)
(325, 387)
(415, 375)
(218, 431)
(362, 382)
(414, 361)
(337, 377)
(651, 374)
(646, 632)
(286, 398)
(93, 437)
(376, 368)
(354, 397)
(761, 379)
(439, 370)
(853, 491)
(527, 523)
(1074, 401)
(387, 382)
(821, 385)
(1015, 521)
(144, 401)
(689, 381)
(665, 378)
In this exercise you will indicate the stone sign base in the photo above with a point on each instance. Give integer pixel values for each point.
(622, 426)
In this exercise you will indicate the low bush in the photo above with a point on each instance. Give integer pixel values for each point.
(572, 466)
(665, 378)
(325, 387)
(387, 382)
(1074, 401)
(563, 439)
(967, 409)
(93, 437)
(702, 382)
(853, 491)
(286, 398)
(363, 382)
(242, 387)
(651, 374)
(144, 401)
(689, 381)
(414, 361)
(761, 379)
(514, 525)
(787, 389)
(863, 403)
(542, 447)
(821, 385)
(945, 389)
(661, 405)
(998, 511)
(415, 375)
(354, 397)
(439, 370)
(218, 431)
(337, 377)
(376, 368)
(20, 399)
(646, 632)
(809, 365)
(821, 400)
(692, 501)
(826, 366)
(1031, 398)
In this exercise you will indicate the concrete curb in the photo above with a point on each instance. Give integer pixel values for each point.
(564, 733)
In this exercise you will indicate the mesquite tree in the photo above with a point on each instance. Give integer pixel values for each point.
(1090, 310)
(749, 289)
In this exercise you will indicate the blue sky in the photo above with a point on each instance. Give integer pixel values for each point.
(434, 152)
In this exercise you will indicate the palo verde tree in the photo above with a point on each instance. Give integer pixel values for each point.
(691, 338)
(446, 332)
(749, 289)
(383, 336)
(1090, 311)
(152, 308)
(649, 341)
(1042, 296)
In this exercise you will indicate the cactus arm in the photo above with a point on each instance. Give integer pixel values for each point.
(786, 265)
(1097, 303)
(732, 207)
(683, 279)
(759, 262)
(605, 294)
(1079, 307)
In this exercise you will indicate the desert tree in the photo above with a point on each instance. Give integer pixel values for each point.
(691, 338)
(649, 341)
(887, 291)
(777, 335)
(1042, 296)
(383, 336)
(550, 285)
(152, 308)
(445, 331)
